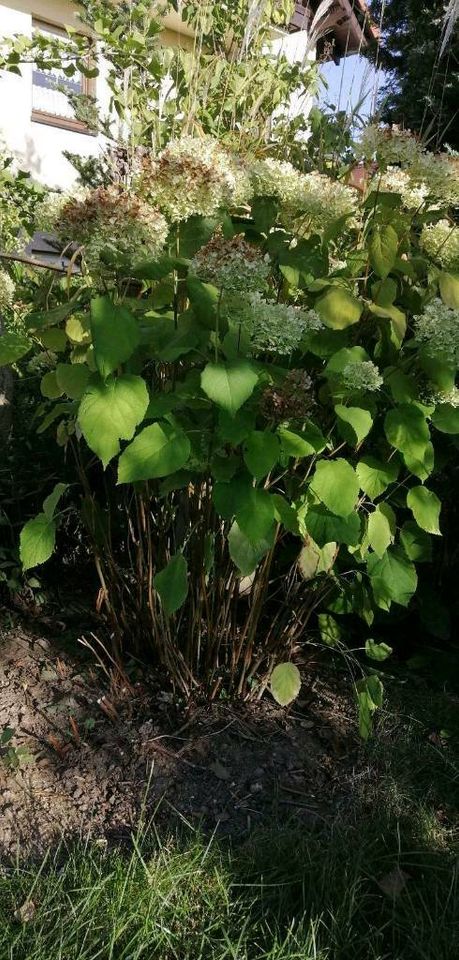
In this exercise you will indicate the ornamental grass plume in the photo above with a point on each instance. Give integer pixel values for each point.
(233, 265)
(108, 220)
(193, 176)
(440, 241)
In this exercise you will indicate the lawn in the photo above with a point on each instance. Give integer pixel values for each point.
(376, 882)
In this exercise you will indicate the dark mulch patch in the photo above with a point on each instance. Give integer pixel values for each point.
(99, 755)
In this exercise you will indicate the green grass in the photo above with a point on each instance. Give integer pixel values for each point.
(286, 894)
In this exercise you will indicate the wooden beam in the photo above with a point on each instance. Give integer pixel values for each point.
(41, 264)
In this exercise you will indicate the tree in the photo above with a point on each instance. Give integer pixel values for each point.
(421, 92)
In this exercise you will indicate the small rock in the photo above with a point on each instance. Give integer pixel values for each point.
(256, 787)
(145, 729)
(221, 772)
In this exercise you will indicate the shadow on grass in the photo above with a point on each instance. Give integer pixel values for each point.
(377, 880)
(381, 883)
(369, 891)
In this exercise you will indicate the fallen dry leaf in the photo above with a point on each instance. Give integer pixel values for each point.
(61, 748)
(394, 882)
(25, 913)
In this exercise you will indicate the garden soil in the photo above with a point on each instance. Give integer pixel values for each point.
(99, 755)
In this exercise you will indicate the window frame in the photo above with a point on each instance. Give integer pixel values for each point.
(88, 89)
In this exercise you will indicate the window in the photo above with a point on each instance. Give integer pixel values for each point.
(50, 103)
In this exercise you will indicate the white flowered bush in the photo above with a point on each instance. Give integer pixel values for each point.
(440, 241)
(233, 265)
(193, 176)
(251, 370)
(254, 370)
(438, 328)
(7, 291)
(362, 376)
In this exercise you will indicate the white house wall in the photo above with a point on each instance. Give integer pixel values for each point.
(294, 47)
(39, 147)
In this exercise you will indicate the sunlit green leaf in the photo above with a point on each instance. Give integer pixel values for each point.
(109, 412)
(115, 334)
(425, 507)
(36, 542)
(230, 384)
(285, 683)
(336, 484)
(157, 451)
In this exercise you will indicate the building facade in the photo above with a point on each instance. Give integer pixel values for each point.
(37, 124)
(36, 121)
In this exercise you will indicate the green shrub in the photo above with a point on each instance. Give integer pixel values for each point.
(252, 375)
(253, 408)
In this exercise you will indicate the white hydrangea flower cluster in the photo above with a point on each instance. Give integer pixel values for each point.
(194, 176)
(312, 200)
(112, 220)
(278, 328)
(431, 181)
(51, 207)
(362, 376)
(233, 265)
(275, 178)
(396, 180)
(439, 174)
(440, 241)
(408, 168)
(321, 200)
(388, 145)
(438, 329)
(7, 290)
(451, 397)
(241, 185)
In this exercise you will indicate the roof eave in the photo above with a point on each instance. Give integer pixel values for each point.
(340, 22)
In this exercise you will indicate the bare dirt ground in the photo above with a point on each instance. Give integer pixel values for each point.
(98, 756)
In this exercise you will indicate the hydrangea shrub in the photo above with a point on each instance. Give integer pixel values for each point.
(255, 370)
